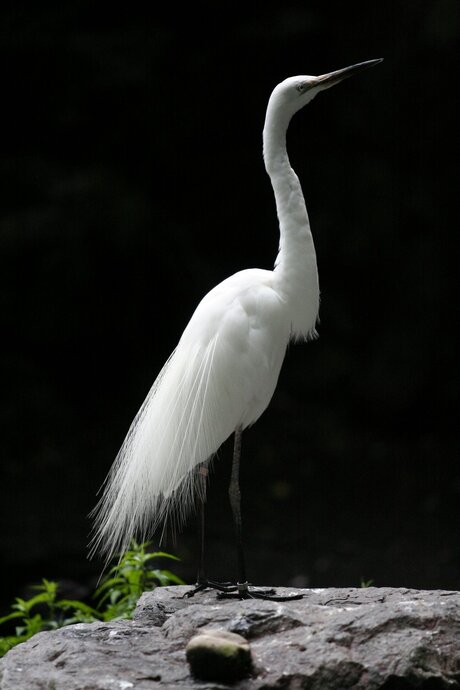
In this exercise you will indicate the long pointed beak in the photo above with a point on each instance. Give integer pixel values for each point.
(325, 81)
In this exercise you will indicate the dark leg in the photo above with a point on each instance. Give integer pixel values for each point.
(201, 577)
(202, 581)
(234, 493)
(244, 589)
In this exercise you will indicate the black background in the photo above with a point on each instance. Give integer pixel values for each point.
(132, 182)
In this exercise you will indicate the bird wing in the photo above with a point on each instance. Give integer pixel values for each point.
(222, 375)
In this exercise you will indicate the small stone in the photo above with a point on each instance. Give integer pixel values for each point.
(219, 655)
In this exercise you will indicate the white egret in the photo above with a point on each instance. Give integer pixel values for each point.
(224, 370)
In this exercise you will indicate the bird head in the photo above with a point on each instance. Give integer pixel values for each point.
(294, 92)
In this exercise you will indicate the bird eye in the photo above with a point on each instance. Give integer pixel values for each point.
(299, 88)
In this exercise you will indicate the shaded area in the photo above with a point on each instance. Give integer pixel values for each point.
(132, 182)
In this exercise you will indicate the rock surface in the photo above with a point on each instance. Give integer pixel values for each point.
(372, 638)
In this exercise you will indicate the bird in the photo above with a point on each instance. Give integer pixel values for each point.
(223, 373)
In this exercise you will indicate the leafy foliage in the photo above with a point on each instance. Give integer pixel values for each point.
(116, 597)
(129, 578)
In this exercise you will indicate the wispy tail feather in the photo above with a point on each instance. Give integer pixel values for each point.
(175, 430)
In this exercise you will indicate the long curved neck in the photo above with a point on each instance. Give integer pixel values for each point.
(295, 271)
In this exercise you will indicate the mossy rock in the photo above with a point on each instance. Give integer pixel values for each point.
(219, 655)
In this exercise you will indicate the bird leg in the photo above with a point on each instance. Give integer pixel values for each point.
(243, 589)
(234, 493)
(202, 581)
(201, 577)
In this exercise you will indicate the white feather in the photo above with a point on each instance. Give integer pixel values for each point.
(222, 375)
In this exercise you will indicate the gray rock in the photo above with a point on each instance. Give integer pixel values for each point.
(372, 638)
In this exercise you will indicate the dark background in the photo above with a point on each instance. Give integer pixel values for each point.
(132, 182)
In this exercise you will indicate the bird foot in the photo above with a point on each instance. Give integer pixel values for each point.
(241, 590)
(245, 591)
(201, 585)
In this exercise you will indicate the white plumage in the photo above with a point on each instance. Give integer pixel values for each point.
(225, 368)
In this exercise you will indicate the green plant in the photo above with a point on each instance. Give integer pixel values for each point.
(116, 597)
(366, 583)
(129, 578)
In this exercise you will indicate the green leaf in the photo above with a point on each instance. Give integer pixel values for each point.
(10, 616)
(162, 554)
(47, 586)
(77, 606)
(170, 577)
(42, 598)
